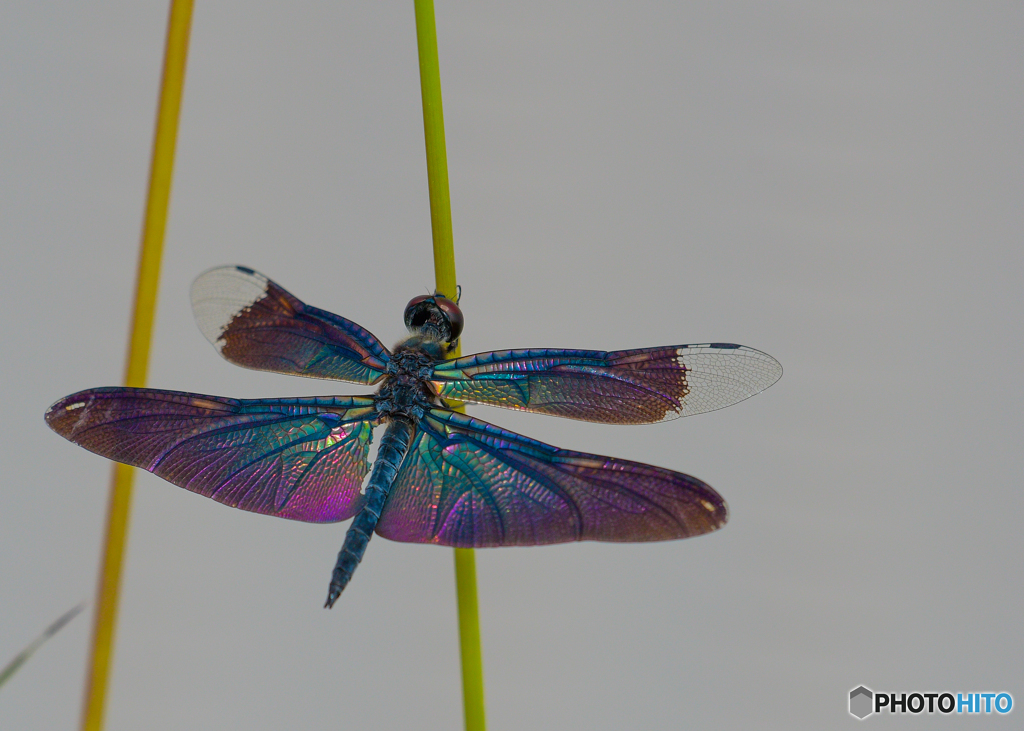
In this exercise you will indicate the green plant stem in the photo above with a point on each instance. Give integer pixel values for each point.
(150, 250)
(445, 281)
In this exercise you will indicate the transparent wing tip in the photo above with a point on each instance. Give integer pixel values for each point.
(753, 369)
(219, 294)
(723, 374)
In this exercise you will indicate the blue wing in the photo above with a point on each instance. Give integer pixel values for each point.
(468, 483)
(255, 323)
(302, 459)
(620, 387)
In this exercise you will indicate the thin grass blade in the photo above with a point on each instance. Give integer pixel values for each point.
(22, 657)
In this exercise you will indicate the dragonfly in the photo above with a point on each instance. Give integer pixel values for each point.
(439, 476)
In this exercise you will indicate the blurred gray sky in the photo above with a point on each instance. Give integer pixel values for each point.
(839, 185)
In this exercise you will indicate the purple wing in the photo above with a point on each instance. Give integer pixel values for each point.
(621, 387)
(253, 322)
(302, 459)
(468, 483)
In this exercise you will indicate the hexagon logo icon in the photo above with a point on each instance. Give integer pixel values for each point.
(861, 702)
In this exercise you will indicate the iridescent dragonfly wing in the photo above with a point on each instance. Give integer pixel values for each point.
(302, 459)
(255, 323)
(621, 387)
(468, 483)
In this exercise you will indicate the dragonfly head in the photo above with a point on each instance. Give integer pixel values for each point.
(435, 315)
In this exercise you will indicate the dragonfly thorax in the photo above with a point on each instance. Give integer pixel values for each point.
(407, 388)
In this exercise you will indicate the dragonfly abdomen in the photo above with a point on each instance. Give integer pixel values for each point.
(393, 447)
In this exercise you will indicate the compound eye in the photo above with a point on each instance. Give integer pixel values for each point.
(416, 301)
(437, 312)
(454, 315)
(417, 311)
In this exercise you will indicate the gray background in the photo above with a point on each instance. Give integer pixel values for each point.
(839, 185)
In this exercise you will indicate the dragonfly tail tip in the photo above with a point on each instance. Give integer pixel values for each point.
(332, 596)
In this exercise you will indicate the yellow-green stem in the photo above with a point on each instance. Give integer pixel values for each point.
(445, 281)
(148, 276)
